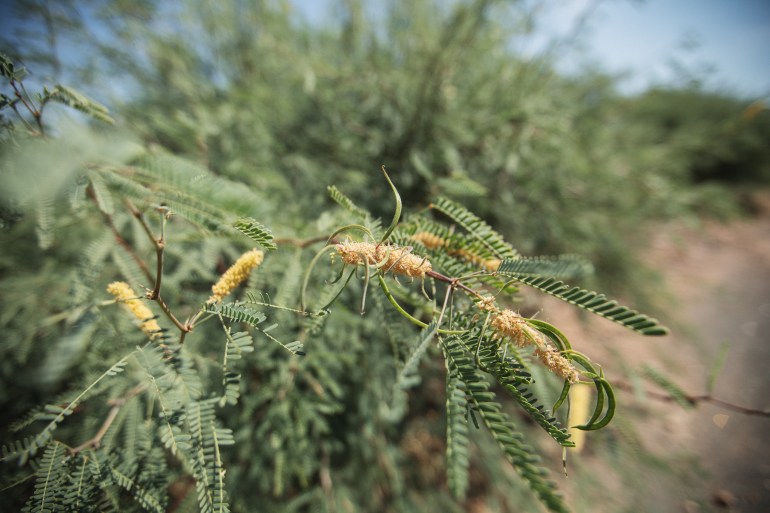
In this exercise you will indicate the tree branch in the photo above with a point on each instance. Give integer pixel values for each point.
(118, 237)
(695, 399)
(116, 405)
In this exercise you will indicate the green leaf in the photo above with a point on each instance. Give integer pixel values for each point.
(77, 101)
(593, 302)
(561, 266)
(409, 375)
(345, 202)
(510, 440)
(101, 194)
(47, 485)
(26, 448)
(235, 346)
(6, 66)
(476, 228)
(238, 312)
(674, 390)
(256, 232)
(457, 451)
(509, 373)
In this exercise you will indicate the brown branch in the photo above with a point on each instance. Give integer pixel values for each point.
(116, 405)
(300, 243)
(118, 237)
(454, 282)
(693, 400)
(159, 247)
(184, 328)
(26, 123)
(154, 294)
(31, 108)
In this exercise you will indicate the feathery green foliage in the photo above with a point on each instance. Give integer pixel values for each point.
(457, 439)
(476, 227)
(256, 232)
(501, 428)
(593, 302)
(201, 408)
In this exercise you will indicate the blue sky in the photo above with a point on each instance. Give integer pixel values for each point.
(643, 37)
(726, 41)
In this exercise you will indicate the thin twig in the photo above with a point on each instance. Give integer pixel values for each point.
(159, 247)
(139, 217)
(26, 123)
(695, 399)
(118, 237)
(300, 243)
(116, 405)
(29, 105)
(454, 282)
(154, 294)
(184, 328)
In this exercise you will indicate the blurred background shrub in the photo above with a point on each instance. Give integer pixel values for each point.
(435, 91)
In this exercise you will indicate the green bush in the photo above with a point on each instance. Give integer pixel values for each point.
(289, 399)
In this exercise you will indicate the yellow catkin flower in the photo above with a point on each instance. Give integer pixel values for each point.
(512, 325)
(236, 274)
(125, 294)
(492, 264)
(432, 241)
(487, 303)
(429, 240)
(553, 359)
(508, 323)
(753, 110)
(395, 259)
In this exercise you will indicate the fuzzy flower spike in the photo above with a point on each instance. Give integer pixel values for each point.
(508, 323)
(123, 293)
(236, 274)
(395, 259)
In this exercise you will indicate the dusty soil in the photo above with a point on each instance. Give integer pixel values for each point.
(709, 458)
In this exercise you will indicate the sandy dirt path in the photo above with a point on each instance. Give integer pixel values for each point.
(710, 458)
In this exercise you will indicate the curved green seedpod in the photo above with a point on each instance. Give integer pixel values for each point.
(397, 213)
(552, 332)
(603, 390)
(351, 227)
(610, 407)
(303, 290)
(407, 315)
(562, 396)
(344, 285)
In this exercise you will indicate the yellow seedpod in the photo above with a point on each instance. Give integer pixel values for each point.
(579, 409)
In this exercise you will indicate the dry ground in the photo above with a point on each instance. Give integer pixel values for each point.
(704, 459)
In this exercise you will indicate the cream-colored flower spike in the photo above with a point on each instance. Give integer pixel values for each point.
(236, 274)
(512, 325)
(432, 241)
(125, 294)
(429, 240)
(395, 259)
(552, 358)
(509, 324)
